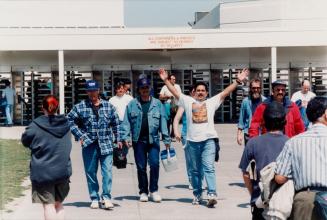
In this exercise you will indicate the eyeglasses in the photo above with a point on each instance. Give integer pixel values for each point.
(277, 90)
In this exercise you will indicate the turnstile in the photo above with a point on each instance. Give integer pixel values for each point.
(75, 90)
(109, 75)
(31, 87)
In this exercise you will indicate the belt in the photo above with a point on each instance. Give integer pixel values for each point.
(312, 188)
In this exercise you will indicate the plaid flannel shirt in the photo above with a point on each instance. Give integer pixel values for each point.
(86, 125)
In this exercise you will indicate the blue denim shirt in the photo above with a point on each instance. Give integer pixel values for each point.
(156, 119)
(246, 114)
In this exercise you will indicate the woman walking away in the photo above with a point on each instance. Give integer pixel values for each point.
(49, 139)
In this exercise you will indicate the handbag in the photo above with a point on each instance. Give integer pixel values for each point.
(169, 159)
(120, 157)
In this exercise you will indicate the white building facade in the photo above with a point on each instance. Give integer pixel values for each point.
(52, 47)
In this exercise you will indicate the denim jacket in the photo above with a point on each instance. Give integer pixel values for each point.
(246, 114)
(156, 119)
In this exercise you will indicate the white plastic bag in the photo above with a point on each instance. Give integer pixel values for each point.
(169, 159)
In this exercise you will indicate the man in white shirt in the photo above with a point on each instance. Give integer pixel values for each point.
(169, 102)
(301, 98)
(120, 100)
(201, 132)
(305, 95)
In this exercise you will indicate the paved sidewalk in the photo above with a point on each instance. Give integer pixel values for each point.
(232, 196)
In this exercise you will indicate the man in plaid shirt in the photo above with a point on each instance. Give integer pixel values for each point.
(96, 124)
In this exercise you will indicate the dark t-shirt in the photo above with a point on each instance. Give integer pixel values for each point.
(263, 149)
(144, 135)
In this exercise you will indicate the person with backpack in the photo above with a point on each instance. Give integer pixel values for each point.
(303, 159)
(263, 150)
(49, 139)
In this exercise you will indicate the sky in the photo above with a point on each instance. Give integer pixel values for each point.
(164, 13)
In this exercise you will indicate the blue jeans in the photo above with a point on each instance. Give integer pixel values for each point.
(187, 160)
(202, 156)
(143, 153)
(91, 158)
(9, 114)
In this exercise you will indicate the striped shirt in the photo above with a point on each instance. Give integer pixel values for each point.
(304, 158)
(91, 125)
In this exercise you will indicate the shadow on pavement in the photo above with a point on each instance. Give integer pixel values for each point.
(121, 198)
(244, 205)
(178, 186)
(237, 184)
(78, 204)
(183, 200)
(83, 204)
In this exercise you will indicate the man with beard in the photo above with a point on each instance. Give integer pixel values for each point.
(248, 107)
(294, 124)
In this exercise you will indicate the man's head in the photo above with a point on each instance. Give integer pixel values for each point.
(172, 79)
(305, 86)
(201, 91)
(255, 88)
(317, 110)
(278, 90)
(127, 85)
(119, 89)
(7, 83)
(274, 116)
(143, 87)
(92, 90)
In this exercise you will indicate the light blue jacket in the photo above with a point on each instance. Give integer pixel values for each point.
(133, 121)
(246, 114)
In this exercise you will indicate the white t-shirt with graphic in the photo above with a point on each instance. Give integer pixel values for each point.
(165, 91)
(120, 104)
(200, 117)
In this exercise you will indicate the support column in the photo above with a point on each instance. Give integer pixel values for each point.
(61, 81)
(273, 64)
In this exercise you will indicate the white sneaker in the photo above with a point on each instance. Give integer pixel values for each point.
(190, 187)
(144, 197)
(212, 200)
(196, 200)
(94, 204)
(107, 204)
(155, 197)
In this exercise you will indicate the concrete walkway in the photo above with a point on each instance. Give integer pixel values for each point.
(232, 196)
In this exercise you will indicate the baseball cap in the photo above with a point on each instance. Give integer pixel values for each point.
(143, 82)
(92, 85)
(278, 82)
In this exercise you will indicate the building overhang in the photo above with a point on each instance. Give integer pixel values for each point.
(35, 39)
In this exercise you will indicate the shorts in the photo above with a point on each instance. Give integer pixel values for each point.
(50, 193)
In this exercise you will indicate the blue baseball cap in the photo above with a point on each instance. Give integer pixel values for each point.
(92, 85)
(278, 82)
(143, 82)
